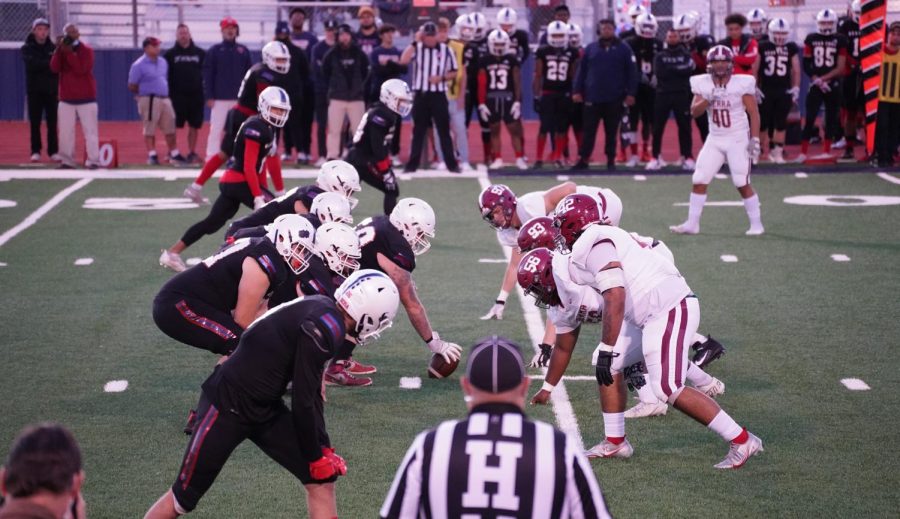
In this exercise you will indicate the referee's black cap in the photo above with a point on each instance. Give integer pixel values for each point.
(429, 29)
(495, 364)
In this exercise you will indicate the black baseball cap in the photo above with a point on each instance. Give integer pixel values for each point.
(495, 364)
(429, 28)
(344, 28)
(330, 24)
(282, 28)
(150, 40)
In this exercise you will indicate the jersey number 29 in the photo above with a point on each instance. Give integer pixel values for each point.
(557, 70)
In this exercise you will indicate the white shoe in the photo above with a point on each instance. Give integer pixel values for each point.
(777, 156)
(35, 157)
(195, 193)
(285, 157)
(465, 167)
(440, 166)
(521, 164)
(497, 164)
(607, 449)
(713, 389)
(839, 145)
(56, 157)
(800, 159)
(688, 164)
(684, 228)
(172, 261)
(632, 161)
(319, 162)
(653, 165)
(644, 410)
(739, 453)
(755, 231)
(396, 162)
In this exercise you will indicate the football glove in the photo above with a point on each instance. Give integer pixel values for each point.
(753, 148)
(484, 113)
(707, 352)
(516, 110)
(258, 201)
(602, 358)
(542, 359)
(794, 93)
(450, 351)
(759, 96)
(634, 376)
(322, 469)
(496, 311)
(340, 466)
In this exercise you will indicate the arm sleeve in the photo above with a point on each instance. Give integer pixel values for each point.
(326, 66)
(306, 396)
(273, 164)
(365, 66)
(134, 74)
(209, 74)
(452, 64)
(251, 154)
(523, 43)
(746, 58)
(377, 132)
(585, 267)
(482, 86)
(406, 490)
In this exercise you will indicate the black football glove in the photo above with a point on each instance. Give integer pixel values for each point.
(707, 352)
(604, 367)
(634, 376)
(542, 359)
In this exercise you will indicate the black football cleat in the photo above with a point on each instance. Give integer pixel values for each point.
(707, 352)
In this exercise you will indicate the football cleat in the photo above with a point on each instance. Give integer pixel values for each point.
(172, 260)
(739, 453)
(755, 230)
(800, 159)
(706, 352)
(684, 228)
(496, 164)
(35, 157)
(688, 164)
(713, 389)
(632, 161)
(338, 375)
(521, 164)
(653, 165)
(608, 449)
(358, 368)
(777, 156)
(195, 193)
(644, 410)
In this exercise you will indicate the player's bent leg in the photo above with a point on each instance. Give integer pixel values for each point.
(321, 501)
(195, 323)
(666, 348)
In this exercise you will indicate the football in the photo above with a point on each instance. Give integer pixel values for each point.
(439, 368)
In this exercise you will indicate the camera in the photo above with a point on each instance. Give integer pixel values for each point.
(67, 40)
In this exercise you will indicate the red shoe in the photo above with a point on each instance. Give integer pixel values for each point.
(358, 368)
(620, 156)
(645, 155)
(337, 375)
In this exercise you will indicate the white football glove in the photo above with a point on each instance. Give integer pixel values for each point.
(195, 193)
(795, 93)
(496, 312)
(516, 110)
(718, 93)
(450, 351)
(753, 148)
(484, 112)
(258, 201)
(759, 96)
(823, 85)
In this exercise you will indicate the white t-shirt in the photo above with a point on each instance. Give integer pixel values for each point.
(726, 113)
(653, 284)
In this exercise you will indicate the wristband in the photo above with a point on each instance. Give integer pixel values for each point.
(428, 340)
(500, 302)
(605, 347)
(502, 296)
(548, 387)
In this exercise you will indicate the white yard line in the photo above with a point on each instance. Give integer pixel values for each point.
(410, 383)
(42, 210)
(840, 257)
(83, 262)
(493, 260)
(855, 384)
(576, 378)
(890, 178)
(534, 323)
(720, 203)
(185, 174)
(115, 386)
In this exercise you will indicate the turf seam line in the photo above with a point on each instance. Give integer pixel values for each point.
(48, 206)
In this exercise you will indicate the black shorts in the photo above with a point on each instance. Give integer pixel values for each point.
(233, 122)
(556, 112)
(853, 97)
(219, 432)
(188, 109)
(196, 323)
(774, 110)
(500, 108)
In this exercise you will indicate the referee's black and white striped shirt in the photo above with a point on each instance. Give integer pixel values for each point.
(497, 464)
(435, 61)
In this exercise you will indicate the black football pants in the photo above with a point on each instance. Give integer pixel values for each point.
(196, 323)
(832, 101)
(231, 196)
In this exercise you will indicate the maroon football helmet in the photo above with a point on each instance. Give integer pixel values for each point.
(574, 213)
(535, 233)
(493, 196)
(535, 276)
(720, 61)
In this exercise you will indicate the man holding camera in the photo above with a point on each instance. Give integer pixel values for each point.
(74, 62)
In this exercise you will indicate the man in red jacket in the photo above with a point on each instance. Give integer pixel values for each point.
(745, 48)
(74, 62)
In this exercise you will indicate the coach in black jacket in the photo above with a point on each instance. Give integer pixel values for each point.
(186, 85)
(674, 66)
(298, 82)
(344, 68)
(41, 85)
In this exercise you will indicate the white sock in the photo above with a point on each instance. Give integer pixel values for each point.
(725, 426)
(614, 425)
(699, 338)
(698, 377)
(752, 206)
(646, 394)
(696, 209)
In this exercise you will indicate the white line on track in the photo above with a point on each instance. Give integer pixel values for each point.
(890, 178)
(855, 384)
(81, 262)
(115, 386)
(410, 383)
(729, 258)
(493, 260)
(42, 210)
(562, 407)
(840, 257)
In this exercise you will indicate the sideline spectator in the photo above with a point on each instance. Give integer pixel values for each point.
(73, 60)
(674, 67)
(306, 41)
(745, 48)
(367, 37)
(42, 476)
(607, 76)
(887, 130)
(41, 86)
(148, 80)
(345, 69)
(302, 38)
(395, 12)
(540, 16)
(386, 65)
(298, 76)
(434, 64)
(320, 88)
(186, 86)
(455, 101)
(223, 69)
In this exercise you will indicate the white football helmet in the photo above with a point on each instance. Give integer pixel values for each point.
(415, 219)
(274, 106)
(646, 26)
(498, 42)
(558, 34)
(277, 57)
(331, 207)
(396, 96)
(855, 10)
(479, 24)
(339, 245)
(685, 26)
(293, 237)
(756, 20)
(779, 30)
(575, 35)
(507, 18)
(339, 177)
(826, 22)
(636, 10)
(371, 299)
(464, 27)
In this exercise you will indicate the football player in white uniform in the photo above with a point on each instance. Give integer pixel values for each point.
(730, 101)
(648, 306)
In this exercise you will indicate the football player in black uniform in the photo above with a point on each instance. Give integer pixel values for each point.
(824, 61)
(500, 96)
(370, 151)
(634, 11)
(778, 77)
(575, 43)
(472, 53)
(554, 70)
(853, 102)
(687, 26)
(326, 207)
(244, 397)
(245, 178)
(390, 244)
(271, 72)
(758, 24)
(645, 47)
(518, 38)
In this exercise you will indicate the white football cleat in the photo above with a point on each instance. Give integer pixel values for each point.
(653, 165)
(521, 164)
(800, 159)
(195, 193)
(56, 157)
(777, 156)
(607, 449)
(632, 161)
(396, 162)
(645, 410)
(839, 145)
(172, 260)
(497, 164)
(684, 228)
(465, 167)
(755, 231)
(713, 389)
(319, 162)
(35, 157)
(739, 453)
(688, 164)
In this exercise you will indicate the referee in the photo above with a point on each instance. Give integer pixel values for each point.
(496, 463)
(434, 64)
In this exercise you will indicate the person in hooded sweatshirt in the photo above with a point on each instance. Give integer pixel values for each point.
(41, 86)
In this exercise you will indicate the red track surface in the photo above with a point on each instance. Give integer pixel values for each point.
(15, 150)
